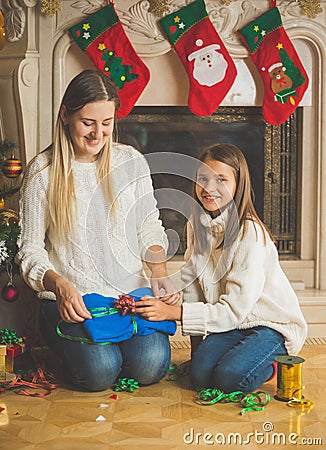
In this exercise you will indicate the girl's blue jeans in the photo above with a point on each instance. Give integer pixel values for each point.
(95, 367)
(237, 360)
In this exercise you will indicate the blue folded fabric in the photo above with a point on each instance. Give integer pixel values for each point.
(115, 327)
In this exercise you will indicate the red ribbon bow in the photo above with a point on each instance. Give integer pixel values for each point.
(126, 304)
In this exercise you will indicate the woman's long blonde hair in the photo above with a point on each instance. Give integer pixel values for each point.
(87, 87)
(241, 209)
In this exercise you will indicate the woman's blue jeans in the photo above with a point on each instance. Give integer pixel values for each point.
(237, 360)
(95, 367)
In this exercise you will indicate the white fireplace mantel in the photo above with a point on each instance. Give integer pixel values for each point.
(40, 58)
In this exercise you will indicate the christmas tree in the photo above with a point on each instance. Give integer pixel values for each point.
(291, 70)
(118, 72)
(10, 167)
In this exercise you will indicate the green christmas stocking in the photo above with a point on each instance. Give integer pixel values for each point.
(105, 42)
(209, 66)
(285, 79)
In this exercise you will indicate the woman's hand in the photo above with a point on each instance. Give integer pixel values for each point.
(153, 309)
(161, 282)
(156, 261)
(70, 303)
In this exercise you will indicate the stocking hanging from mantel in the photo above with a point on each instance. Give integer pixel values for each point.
(285, 79)
(210, 68)
(102, 37)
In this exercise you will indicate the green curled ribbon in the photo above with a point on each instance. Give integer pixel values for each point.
(254, 401)
(250, 402)
(9, 337)
(95, 312)
(174, 372)
(125, 384)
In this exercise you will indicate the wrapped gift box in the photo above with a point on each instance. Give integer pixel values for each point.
(14, 347)
(12, 352)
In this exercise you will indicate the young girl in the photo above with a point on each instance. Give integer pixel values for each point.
(235, 293)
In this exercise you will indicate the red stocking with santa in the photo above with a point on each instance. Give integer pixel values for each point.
(209, 66)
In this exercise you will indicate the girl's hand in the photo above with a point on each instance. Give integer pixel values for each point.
(152, 309)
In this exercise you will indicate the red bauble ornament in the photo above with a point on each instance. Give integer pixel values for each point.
(9, 293)
(12, 167)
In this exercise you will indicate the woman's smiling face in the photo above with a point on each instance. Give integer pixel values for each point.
(215, 185)
(90, 128)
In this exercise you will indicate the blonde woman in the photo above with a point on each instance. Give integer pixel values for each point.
(88, 220)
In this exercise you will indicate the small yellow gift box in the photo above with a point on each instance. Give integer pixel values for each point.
(3, 352)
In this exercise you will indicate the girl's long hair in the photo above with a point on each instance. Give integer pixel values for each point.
(240, 210)
(87, 87)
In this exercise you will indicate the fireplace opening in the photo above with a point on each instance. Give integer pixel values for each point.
(272, 153)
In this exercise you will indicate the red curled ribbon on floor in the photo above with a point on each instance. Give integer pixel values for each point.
(37, 380)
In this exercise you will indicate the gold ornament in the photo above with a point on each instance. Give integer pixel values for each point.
(12, 167)
(311, 8)
(50, 7)
(158, 7)
(9, 216)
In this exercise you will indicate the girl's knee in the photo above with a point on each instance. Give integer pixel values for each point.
(230, 380)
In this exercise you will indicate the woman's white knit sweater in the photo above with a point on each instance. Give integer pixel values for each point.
(106, 252)
(240, 288)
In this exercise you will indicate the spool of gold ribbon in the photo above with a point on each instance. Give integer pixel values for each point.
(289, 381)
(289, 377)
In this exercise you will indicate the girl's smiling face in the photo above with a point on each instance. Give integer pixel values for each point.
(215, 185)
(90, 128)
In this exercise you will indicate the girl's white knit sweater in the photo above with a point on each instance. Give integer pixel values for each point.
(240, 288)
(106, 252)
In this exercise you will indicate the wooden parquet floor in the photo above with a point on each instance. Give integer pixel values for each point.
(164, 416)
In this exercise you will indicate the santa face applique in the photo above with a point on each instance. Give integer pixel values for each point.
(210, 65)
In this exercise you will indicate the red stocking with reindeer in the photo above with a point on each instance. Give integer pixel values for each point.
(285, 79)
